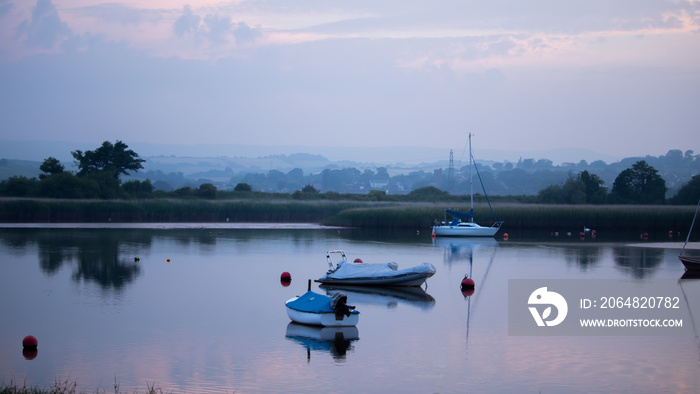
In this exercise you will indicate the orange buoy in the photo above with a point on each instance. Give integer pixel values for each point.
(593, 233)
(168, 260)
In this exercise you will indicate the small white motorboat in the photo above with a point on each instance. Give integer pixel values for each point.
(320, 310)
(385, 274)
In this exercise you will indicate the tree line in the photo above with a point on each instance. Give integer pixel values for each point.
(100, 172)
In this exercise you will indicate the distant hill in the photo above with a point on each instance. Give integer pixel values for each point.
(379, 156)
(349, 170)
(26, 168)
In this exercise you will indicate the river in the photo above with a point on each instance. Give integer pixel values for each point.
(199, 308)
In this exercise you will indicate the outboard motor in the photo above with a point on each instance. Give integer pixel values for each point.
(339, 305)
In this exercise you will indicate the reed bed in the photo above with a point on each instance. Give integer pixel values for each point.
(81, 211)
(64, 387)
(652, 218)
(374, 215)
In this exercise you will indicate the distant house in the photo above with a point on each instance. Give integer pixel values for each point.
(378, 184)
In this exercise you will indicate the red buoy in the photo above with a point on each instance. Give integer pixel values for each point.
(467, 286)
(285, 278)
(358, 261)
(432, 235)
(505, 236)
(467, 282)
(30, 342)
(670, 234)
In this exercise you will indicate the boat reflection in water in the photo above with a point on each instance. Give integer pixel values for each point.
(461, 250)
(336, 340)
(389, 296)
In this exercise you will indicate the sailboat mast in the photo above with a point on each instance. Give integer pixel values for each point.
(471, 182)
(691, 227)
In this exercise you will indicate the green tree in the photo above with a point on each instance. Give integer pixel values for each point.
(428, 193)
(207, 190)
(585, 188)
(574, 190)
(18, 186)
(376, 195)
(243, 187)
(138, 189)
(184, 191)
(67, 185)
(593, 187)
(50, 166)
(113, 159)
(309, 189)
(107, 185)
(640, 184)
(689, 193)
(551, 195)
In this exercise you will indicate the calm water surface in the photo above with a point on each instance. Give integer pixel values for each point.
(212, 319)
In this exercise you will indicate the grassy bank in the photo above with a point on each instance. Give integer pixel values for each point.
(163, 211)
(374, 215)
(62, 387)
(529, 217)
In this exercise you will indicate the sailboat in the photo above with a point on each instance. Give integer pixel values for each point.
(690, 262)
(458, 228)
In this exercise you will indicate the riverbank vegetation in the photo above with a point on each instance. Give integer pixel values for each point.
(99, 177)
(96, 194)
(363, 214)
(63, 387)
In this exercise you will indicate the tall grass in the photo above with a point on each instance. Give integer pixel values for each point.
(31, 211)
(376, 215)
(528, 217)
(62, 387)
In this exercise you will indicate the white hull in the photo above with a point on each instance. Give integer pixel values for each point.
(383, 274)
(327, 319)
(464, 231)
(411, 279)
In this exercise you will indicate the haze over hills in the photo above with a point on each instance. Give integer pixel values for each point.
(354, 156)
(352, 170)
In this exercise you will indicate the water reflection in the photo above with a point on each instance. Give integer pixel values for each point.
(390, 297)
(637, 263)
(690, 288)
(461, 250)
(584, 257)
(97, 258)
(334, 340)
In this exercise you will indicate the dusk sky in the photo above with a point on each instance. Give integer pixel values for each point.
(620, 77)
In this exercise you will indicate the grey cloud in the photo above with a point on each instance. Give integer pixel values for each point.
(45, 29)
(218, 28)
(5, 7)
(215, 28)
(187, 22)
(117, 13)
(243, 32)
